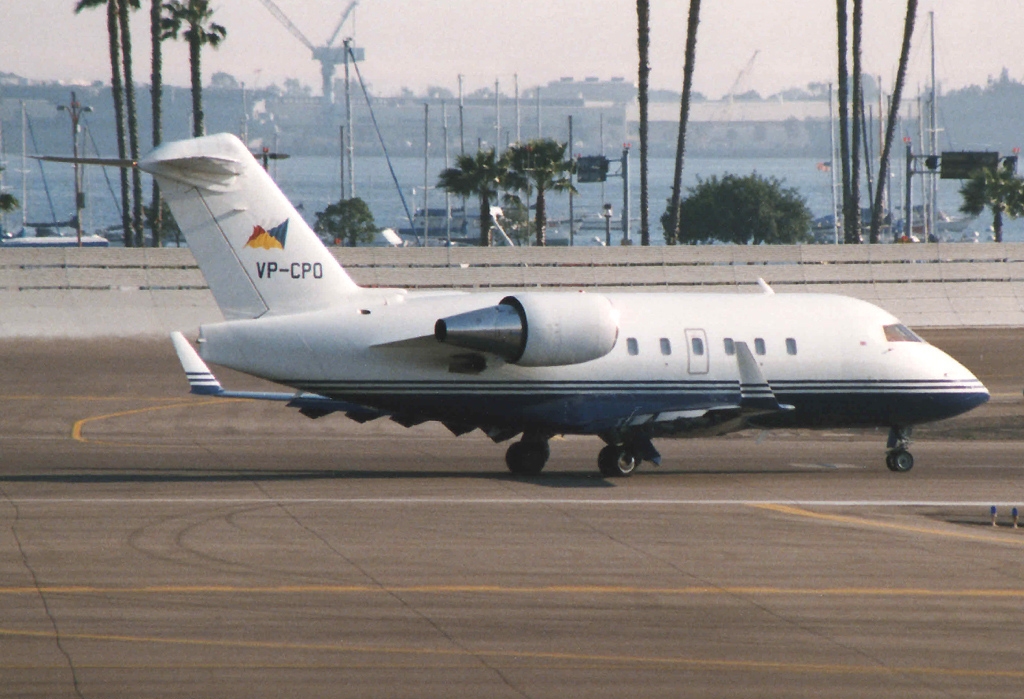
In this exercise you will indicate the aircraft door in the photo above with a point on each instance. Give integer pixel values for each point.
(696, 351)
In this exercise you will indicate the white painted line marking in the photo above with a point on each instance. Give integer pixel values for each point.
(603, 502)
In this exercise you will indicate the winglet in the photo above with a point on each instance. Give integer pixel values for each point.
(755, 393)
(200, 379)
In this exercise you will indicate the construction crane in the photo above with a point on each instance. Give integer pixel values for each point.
(725, 112)
(328, 55)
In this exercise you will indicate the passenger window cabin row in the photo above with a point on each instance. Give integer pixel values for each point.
(697, 346)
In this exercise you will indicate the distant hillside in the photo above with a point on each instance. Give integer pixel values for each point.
(989, 117)
(983, 118)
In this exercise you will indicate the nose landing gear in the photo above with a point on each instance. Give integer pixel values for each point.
(897, 456)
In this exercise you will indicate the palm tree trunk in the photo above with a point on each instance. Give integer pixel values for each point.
(156, 93)
(844, 115)
(541, 221)
(643, 16)
(997, 222)
(672, 234)
(117, 93)
(197, 82)
(855, 132)
(133, 122)
(485, 220)
(890, 127)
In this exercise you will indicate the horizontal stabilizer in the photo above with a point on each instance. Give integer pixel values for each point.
(205, 172)
(106, 162)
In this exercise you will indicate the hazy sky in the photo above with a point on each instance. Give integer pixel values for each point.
(416, 44)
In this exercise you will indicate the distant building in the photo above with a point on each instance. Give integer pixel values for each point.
(614, 91)
(739, 127)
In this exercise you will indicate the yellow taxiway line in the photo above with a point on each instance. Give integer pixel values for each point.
(892, 526)
(76, 429)
(518, 656)
(695, 590)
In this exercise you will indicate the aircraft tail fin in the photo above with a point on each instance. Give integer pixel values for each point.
(257, 253)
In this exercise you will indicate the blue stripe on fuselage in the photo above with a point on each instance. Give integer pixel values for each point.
(593, 406)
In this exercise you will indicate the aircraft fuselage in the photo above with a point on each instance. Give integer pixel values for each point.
(827, 356)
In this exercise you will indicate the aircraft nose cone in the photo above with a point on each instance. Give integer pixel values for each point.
(966, 391)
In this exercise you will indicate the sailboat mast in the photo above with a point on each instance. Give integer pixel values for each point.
(3, 164)
(447, 195)
(925, 228)
(832, 162)
(24, 167)
(426, 173)
(933, 136)
(519, 125)
(349, 123)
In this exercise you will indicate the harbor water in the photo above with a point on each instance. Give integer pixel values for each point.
(311, 183)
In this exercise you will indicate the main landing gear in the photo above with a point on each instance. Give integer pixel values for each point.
(617, 460)
(897, 458)
(528, 456)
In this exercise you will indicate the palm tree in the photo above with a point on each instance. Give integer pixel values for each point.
(156, 37)
(132, 114)
(542, 164)
(856, 107)
(200, 32)
(672, 234)
(8, 202)
(998, 190)
(479, 175)
(643, 42)
(890, 127)
(117, 93)
(844, 117)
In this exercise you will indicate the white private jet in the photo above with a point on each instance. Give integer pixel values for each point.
(627, 367)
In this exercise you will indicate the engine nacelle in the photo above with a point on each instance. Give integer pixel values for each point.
(537, 328)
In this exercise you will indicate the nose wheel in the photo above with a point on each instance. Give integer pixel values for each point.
(897, 458)
(899, 461)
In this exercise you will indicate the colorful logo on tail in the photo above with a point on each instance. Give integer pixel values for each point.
(268, 240)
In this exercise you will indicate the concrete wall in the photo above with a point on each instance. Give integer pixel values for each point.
(119, 292)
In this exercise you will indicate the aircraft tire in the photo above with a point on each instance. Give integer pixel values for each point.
(616, 462)
(899, 461)
(527, 458)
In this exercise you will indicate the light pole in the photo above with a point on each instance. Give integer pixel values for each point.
(76, 110)
(607, 225)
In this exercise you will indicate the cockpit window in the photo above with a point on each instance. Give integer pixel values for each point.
(900, 333)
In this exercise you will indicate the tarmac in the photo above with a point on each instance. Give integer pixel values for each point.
(157, 544)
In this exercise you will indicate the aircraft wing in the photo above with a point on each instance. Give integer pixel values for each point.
(756, 398)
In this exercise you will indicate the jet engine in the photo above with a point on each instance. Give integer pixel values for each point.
(537, 328)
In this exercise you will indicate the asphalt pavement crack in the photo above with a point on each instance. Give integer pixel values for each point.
(745, 598)
(394, 595)
(42, 596)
